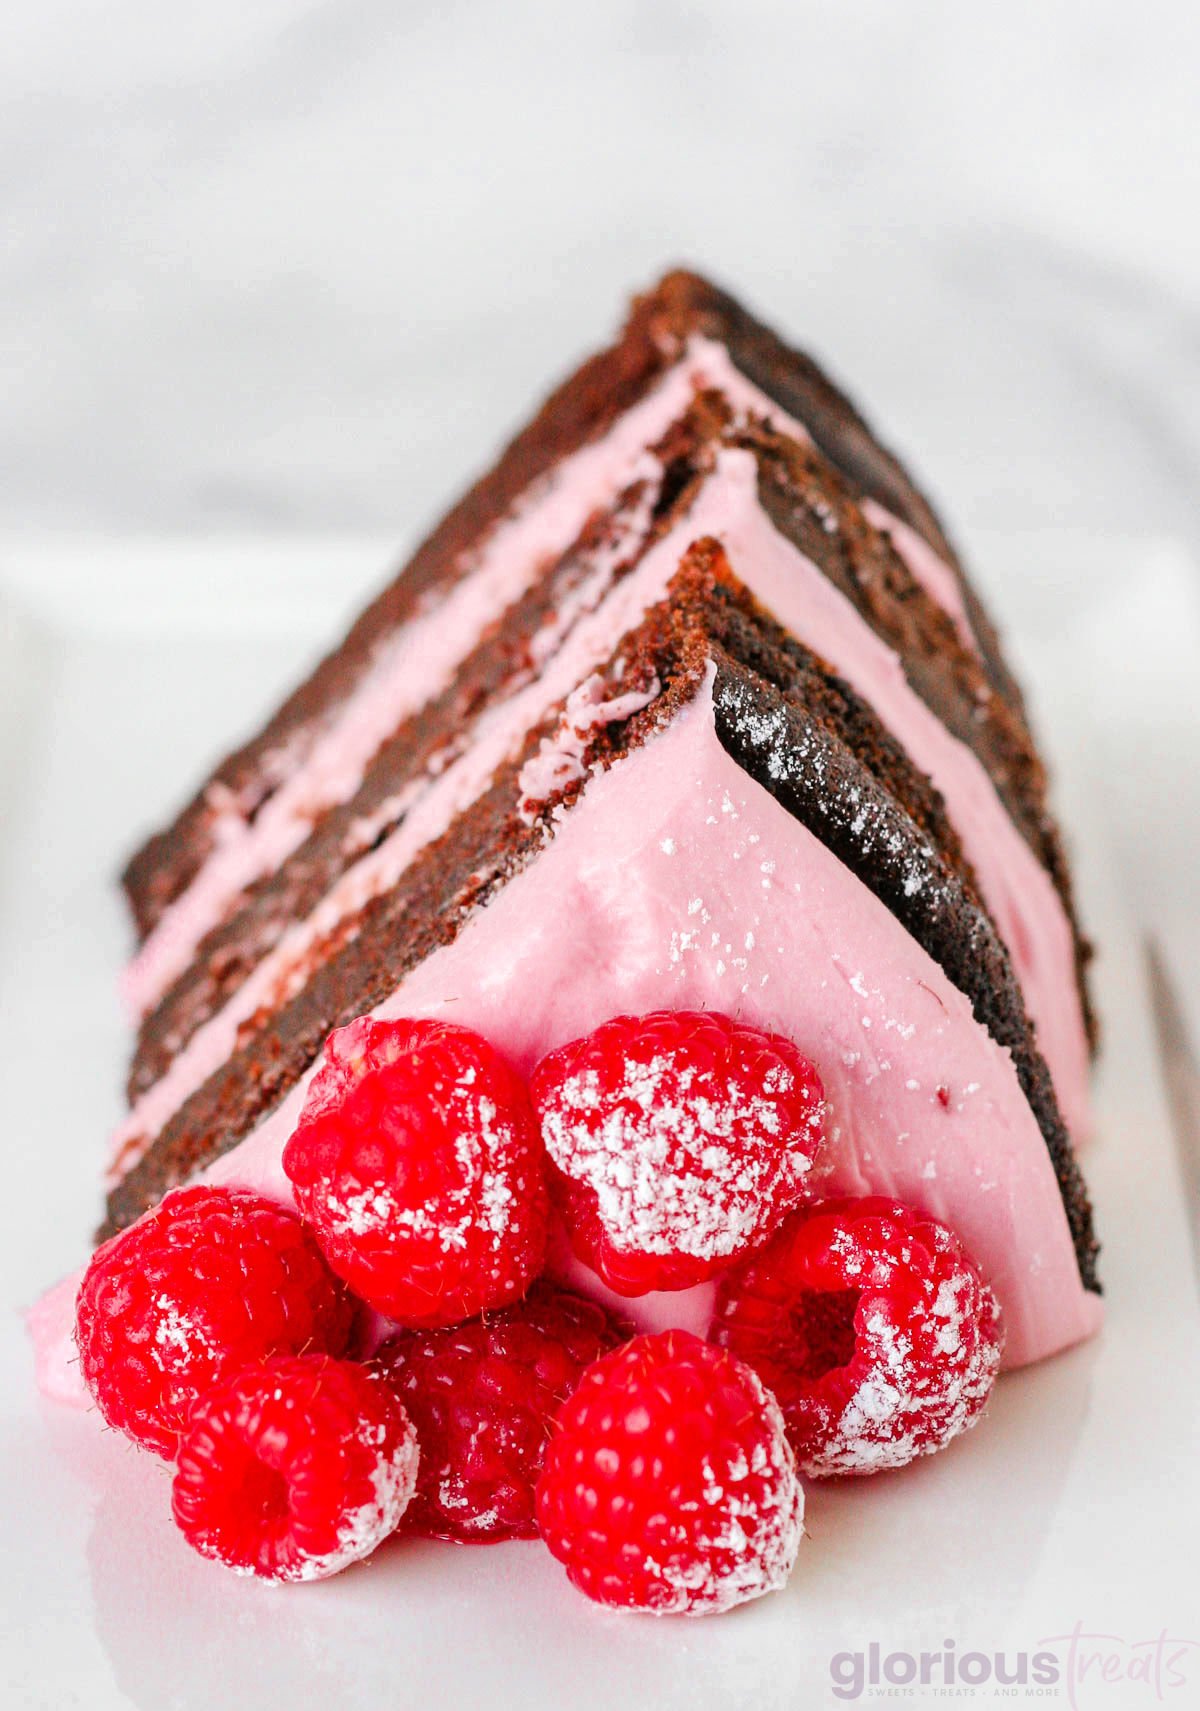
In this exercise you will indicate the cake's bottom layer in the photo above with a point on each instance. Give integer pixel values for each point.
(677, 880)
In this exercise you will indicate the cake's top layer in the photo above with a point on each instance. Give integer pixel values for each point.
(685, 328)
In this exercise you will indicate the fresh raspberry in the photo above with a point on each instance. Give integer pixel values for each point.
(483, 1397)
(209, 1281)
(417, 1163)
(873, 1328)
(669, 1483)
(678, 1140)
(295, 1468)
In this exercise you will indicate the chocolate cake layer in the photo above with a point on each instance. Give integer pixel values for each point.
(685, 304)
(423, 746)
(811, 506)
(587, 404)
(790, 723)
(886, 837)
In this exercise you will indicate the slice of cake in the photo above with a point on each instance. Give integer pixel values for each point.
(823, 485)
(687, 708)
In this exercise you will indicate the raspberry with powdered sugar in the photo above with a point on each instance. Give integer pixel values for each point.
(678, 1140)
(669, 1485)
(295, 1469)
(483, 1397)
(209, 1281)
(873, 1328)
(417, 1164)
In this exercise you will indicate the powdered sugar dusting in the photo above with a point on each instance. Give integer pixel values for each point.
(480, 1205)
(677, 1166)
(927, 1379)
(393, 1481)
(179, 1337)
(878, 827)
(755, 1510)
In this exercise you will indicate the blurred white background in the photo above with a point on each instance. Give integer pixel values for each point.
(278, 275)
(271, 265)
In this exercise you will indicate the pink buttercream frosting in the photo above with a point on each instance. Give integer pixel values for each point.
(415, 663)
(926, 566)
(1020, 894)
(677, 880)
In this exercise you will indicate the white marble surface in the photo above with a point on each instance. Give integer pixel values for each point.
(282, 264)
(279, 273)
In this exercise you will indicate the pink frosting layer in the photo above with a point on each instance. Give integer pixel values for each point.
(420, 659)
(928, 567)
(677, 880)
(1025, 905)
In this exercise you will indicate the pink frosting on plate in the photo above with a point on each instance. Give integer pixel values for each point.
(50, 1323)
(676, 880)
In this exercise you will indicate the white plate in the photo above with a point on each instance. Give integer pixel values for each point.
(1074, 1504)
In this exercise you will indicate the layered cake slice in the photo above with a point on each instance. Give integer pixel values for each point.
(823, 484)
(684, 747)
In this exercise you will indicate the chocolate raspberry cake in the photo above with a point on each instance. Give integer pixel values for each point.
(687, 710)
